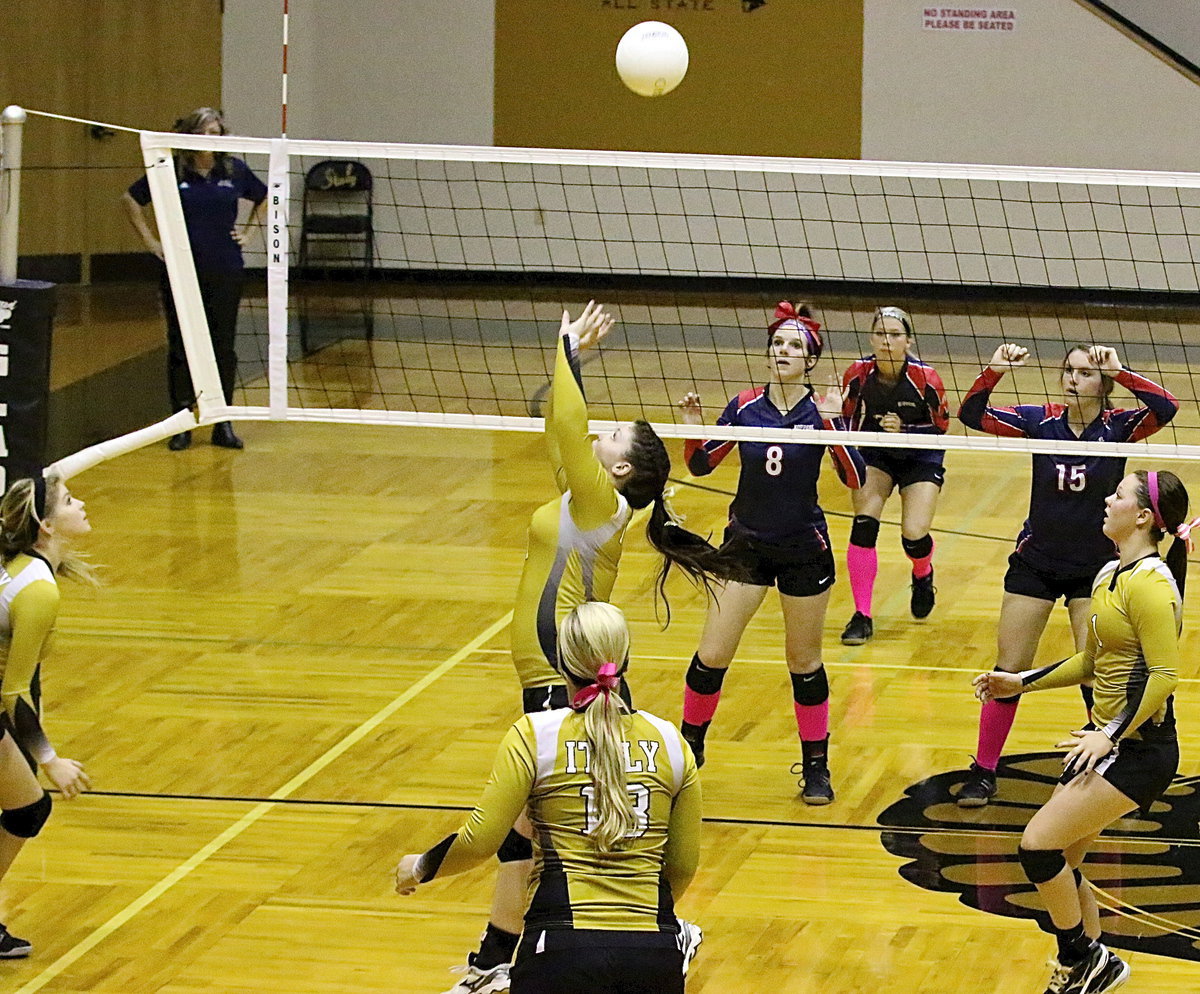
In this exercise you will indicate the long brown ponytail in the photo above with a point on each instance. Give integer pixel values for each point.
(692, 554)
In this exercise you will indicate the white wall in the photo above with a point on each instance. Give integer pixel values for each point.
(365, 70)
(1176, 23)
(1063, 89)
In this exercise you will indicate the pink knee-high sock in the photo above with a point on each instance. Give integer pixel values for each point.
(995, 722)
(812, 721)
(923, 566)
(863, 565)
(698, 709)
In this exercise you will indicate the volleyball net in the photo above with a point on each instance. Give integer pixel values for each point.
(423, 285)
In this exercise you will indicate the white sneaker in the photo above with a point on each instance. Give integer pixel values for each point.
(477, 981)
(690, 937)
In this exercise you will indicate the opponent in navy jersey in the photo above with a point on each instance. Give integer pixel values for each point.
(1061, 546)
(892, 390)
(777, 529)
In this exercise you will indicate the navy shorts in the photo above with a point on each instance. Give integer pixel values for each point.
(797, 573)
(544, 698)
(1140, 770)
(1045, 585)
(907, 466)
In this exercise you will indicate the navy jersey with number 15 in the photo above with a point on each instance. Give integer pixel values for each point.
(1063, 533)
(776, 500)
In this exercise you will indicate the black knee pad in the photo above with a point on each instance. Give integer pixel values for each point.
(810, 689)
(1041, 865)
(864, 532)
(26, 822)
(515, 848)
(704, 679)
(917, 548)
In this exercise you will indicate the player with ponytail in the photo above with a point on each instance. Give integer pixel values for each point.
(575, 545)
(1062, 544)
(1130, 753)
(615, 800)
(777, 534)
(39, 523)
(892, 390)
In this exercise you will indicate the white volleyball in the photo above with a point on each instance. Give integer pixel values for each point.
(652, 58)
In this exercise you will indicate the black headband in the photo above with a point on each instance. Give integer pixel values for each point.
(39, 496)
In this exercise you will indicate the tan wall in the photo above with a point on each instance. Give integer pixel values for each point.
(130, 62)
(784, 79)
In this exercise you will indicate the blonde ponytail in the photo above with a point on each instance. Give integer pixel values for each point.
(593, 647)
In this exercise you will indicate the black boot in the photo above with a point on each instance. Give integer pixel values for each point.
(180, 441)
(223, 436)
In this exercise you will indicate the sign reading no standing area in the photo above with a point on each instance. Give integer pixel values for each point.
(975, 19)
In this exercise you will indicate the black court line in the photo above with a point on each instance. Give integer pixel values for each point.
(964, 829)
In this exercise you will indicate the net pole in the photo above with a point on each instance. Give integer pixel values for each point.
(278, 186)
(12, 122)
(177, 254)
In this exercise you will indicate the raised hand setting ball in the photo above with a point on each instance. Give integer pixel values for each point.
(652, 58)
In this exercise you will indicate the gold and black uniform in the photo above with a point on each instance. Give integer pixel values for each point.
(578, 896)
(1132, 655)
(28, 610)
(574, 540)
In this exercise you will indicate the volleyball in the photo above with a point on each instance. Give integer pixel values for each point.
(652, 58)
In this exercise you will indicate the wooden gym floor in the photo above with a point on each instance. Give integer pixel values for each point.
(296, 671)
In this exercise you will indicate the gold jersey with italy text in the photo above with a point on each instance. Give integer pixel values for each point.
(1132, 652)
(575, 540)
(544, 761)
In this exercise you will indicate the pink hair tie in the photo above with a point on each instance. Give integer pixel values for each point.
(607, 680)
(1152, 486)
(1184, 533)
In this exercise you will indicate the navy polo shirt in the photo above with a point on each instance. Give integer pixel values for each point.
(210, 210)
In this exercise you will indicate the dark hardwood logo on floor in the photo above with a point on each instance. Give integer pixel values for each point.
(1146, 871)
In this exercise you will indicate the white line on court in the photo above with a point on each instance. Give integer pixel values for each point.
(95, 937)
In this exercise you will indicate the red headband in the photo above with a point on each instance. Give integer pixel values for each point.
(786, 311)
(608, 679)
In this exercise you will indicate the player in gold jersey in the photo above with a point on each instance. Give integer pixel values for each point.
(1132, 754)
(39, 522)
(575, 545)
(615, 804)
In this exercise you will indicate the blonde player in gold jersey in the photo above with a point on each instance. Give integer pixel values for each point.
(1131, 756)
(575, 545)
(615, 803)
(39, 522)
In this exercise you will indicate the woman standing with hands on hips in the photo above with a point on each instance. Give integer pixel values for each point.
(1131, 756)
(39, 523)
(212, 186)
(1062, 544)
